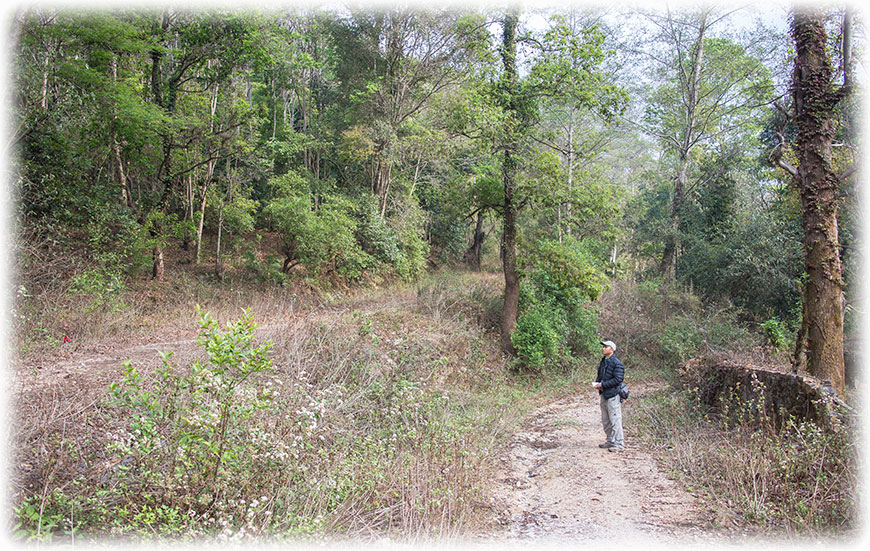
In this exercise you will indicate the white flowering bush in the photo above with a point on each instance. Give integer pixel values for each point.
(193, 436)
(195, 439)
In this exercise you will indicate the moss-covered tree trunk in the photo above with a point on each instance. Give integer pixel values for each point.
(815, 98)
(509, 173)
(509, 258)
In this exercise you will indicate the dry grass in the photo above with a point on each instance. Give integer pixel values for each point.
(799, 480)
(398, 396)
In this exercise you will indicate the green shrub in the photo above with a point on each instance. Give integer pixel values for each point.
(684, 337)
(103, 286)
(447, 233)
(185, 230)
(411, 263)
(537, 336)
(557, 317)
(270, 270)
(582, 329)
(192, 429)
(680, 339)
(338, 250)
(238, 215)
(408, 226)
(323, 240)
(345, 235)
(118, 246)
(777, 334)
(566, 271)
(291, 216)
(374, 235)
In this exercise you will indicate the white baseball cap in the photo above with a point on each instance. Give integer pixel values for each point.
(611, 344)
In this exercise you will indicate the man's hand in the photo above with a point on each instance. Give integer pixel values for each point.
(596, 385)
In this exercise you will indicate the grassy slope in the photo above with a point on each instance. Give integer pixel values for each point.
(393, 402)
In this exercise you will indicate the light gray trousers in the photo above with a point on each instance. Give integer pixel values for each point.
(611, 418)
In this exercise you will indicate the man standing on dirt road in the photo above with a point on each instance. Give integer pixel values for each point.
(610, 375)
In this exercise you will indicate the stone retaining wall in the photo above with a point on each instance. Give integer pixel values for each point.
(784, 393)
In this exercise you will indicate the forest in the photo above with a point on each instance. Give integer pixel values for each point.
(435, 215)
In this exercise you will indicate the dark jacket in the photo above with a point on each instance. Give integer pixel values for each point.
(610, 375)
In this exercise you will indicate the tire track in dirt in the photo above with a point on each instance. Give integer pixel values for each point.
(556, 486)
(98, 363)
(102, 363)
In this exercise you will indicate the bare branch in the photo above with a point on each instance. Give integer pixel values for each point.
(847, 49)
(849, 172)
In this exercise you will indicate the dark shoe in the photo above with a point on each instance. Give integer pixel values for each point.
(605, 445)
(615, 449)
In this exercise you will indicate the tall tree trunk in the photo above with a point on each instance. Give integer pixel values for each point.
(188, 209)
(121, 174)
(668, 266)
(509, 169)
(472, 255)
(43, 96)
(156, 91)
(509, 258)
(123, 184)
(157, 267)
(381, 175)
(201, 220)
(417, 169)
(815, 100)
(209, 175)
(274, 110)
(218, 265)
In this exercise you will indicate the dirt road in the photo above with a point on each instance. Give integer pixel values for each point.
(559, 487)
